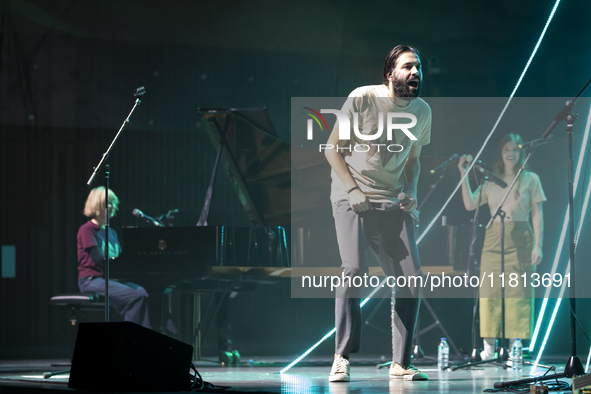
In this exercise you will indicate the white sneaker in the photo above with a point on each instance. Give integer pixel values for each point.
(484, 355)
(340, 370)
(398, 371)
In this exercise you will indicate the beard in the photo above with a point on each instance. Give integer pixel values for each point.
(402, 89)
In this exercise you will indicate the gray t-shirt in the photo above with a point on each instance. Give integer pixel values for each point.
(378, 169)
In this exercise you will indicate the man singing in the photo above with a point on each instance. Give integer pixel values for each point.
(366, 182)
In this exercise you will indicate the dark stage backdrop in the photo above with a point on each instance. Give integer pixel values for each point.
(67, 84)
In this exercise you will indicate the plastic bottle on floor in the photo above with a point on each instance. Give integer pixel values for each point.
(443, 354)
(517, 355)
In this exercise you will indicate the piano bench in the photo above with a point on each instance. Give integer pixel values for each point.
(79, 303)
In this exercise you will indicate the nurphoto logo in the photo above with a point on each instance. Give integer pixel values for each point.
(344, 124)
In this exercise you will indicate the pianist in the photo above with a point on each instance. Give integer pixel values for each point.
(128, 299)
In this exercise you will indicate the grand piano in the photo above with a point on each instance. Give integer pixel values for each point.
(215, 262)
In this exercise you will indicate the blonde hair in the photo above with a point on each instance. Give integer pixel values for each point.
(95, 203)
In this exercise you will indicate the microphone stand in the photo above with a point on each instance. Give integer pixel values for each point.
(417, 351)
(573, 365)
(502, 354)
(473, 265)
(432, 188)
(499, 212)
(139, 92)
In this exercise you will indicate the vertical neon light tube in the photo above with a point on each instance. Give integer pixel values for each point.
(285, 246)
(587, 195)
(588, 358)
(554, 312)
(564, 231)
(581, 221)
(583, 212)
(222, 248)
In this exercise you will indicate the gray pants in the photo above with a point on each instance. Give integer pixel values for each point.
(389, 232)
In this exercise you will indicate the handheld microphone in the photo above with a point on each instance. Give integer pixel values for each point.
(470, 159)
(403, 199)
(445, 164)
(491, 176)
(136, 212)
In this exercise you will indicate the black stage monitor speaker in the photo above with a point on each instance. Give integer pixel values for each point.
(124, 356)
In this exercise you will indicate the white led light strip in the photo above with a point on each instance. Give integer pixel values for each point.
(563, 233)
(583, 212)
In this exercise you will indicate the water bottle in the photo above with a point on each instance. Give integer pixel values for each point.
(517, 355)
(443, 354)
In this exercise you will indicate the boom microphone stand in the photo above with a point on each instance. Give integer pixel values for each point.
(499, 212)
(432, 188)
(139, 92)
(502, 355)
(573, 365)
(417, 352)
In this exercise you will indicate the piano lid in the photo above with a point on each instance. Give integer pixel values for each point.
(256, 161)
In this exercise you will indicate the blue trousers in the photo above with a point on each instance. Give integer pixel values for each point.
(129, 300)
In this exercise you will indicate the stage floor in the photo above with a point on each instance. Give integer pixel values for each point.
(309, 377)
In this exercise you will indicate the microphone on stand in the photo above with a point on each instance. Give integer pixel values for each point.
(445, 164)
(139, 92)
(535, 143)
(403, 199)
(167, 215)
(491, 176)
(136, 212)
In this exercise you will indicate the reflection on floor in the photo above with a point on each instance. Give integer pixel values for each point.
(309, 377)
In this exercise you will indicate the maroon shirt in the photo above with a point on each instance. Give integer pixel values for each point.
(89, 236)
